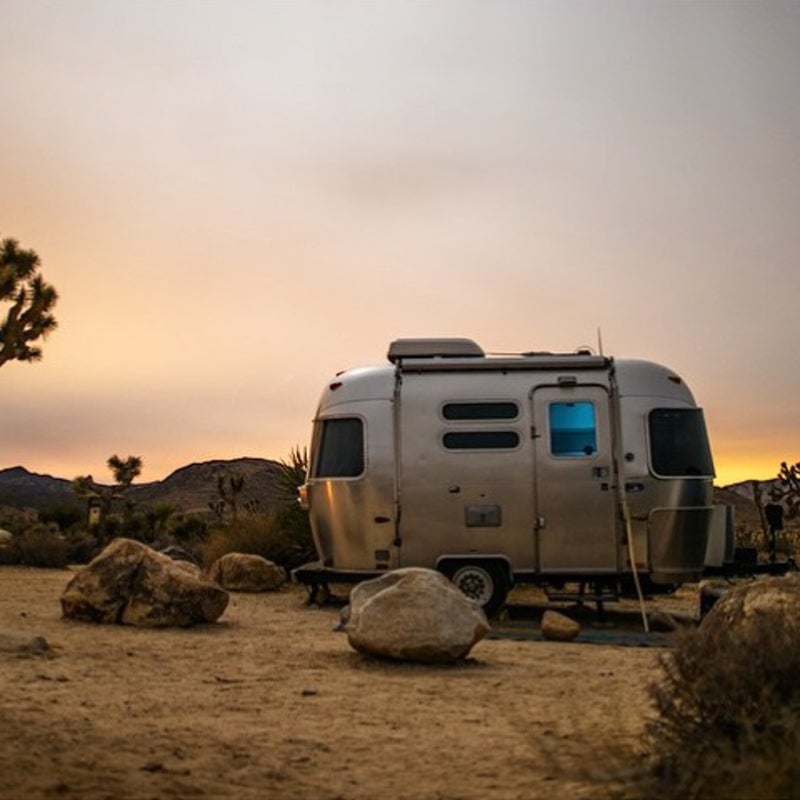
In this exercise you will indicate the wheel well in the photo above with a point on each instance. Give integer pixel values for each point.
(449, 563)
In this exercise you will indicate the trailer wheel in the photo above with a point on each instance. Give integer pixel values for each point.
(486, 584)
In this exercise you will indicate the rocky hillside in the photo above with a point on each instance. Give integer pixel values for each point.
(22, 489)
(189, 488)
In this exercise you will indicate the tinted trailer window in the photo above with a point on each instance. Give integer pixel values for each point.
(341, 449)
(679, 443)
(467, 411)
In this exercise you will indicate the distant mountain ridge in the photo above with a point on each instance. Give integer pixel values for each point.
(188, 489)
(745, 488)
(23, 489)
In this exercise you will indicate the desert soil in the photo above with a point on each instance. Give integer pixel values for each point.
(271, 702)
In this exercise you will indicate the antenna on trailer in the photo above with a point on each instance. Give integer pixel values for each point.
(599, 340)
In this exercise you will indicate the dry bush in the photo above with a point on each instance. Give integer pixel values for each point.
(728, 707)
(269, 535)
(82, 546)
(17, 520)
(8, 555)
(37, 547)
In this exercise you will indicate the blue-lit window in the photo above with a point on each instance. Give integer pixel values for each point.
(573, 430)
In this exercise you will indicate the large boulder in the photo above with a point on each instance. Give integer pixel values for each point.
(245, 572)
(758, 603)
(132, 584)
(413, 614)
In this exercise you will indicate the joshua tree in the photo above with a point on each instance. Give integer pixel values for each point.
(28, 317)
(759, 503)
(788, 489)
(124, 472)
(157, 517)
(228, 492)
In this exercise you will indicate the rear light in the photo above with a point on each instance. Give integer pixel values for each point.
(302, 496)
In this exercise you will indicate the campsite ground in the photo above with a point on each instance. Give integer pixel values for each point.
(270, 702)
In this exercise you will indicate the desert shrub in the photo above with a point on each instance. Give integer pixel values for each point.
(8, 555)
(267, 535)
(728, 714)
(82, 546)
(187, 528)
(38, 546)
(747, 536)
(17, 520)
(66, 517)
(132, 526)
(787, 541)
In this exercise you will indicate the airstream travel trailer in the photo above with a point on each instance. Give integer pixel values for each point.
(547, 468)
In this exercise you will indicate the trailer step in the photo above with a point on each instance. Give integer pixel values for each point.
(599, 597)
(580, 599)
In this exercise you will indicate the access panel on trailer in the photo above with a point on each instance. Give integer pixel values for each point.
(464, 467)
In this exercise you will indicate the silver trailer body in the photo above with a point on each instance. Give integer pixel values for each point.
(537, 467)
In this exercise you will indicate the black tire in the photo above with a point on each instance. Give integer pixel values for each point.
(484, 582)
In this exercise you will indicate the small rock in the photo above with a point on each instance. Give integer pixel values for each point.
(246, 572)
(23, 645)
(557, 627)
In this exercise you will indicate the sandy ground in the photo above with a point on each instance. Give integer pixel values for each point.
(270, 702)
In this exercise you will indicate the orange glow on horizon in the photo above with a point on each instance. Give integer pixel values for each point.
(731, 466)
(736, 468)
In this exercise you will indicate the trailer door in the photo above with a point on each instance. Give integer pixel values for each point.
(576, 514)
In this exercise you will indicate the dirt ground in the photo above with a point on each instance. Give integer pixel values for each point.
(270, 702)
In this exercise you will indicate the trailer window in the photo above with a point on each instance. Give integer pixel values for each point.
(480, 411)
(573, 431)
(341, 449)
(679, 443)
(481, 440)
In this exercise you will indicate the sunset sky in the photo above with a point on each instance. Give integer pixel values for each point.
(237, 199)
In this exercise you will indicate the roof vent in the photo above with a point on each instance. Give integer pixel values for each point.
(433, 348)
